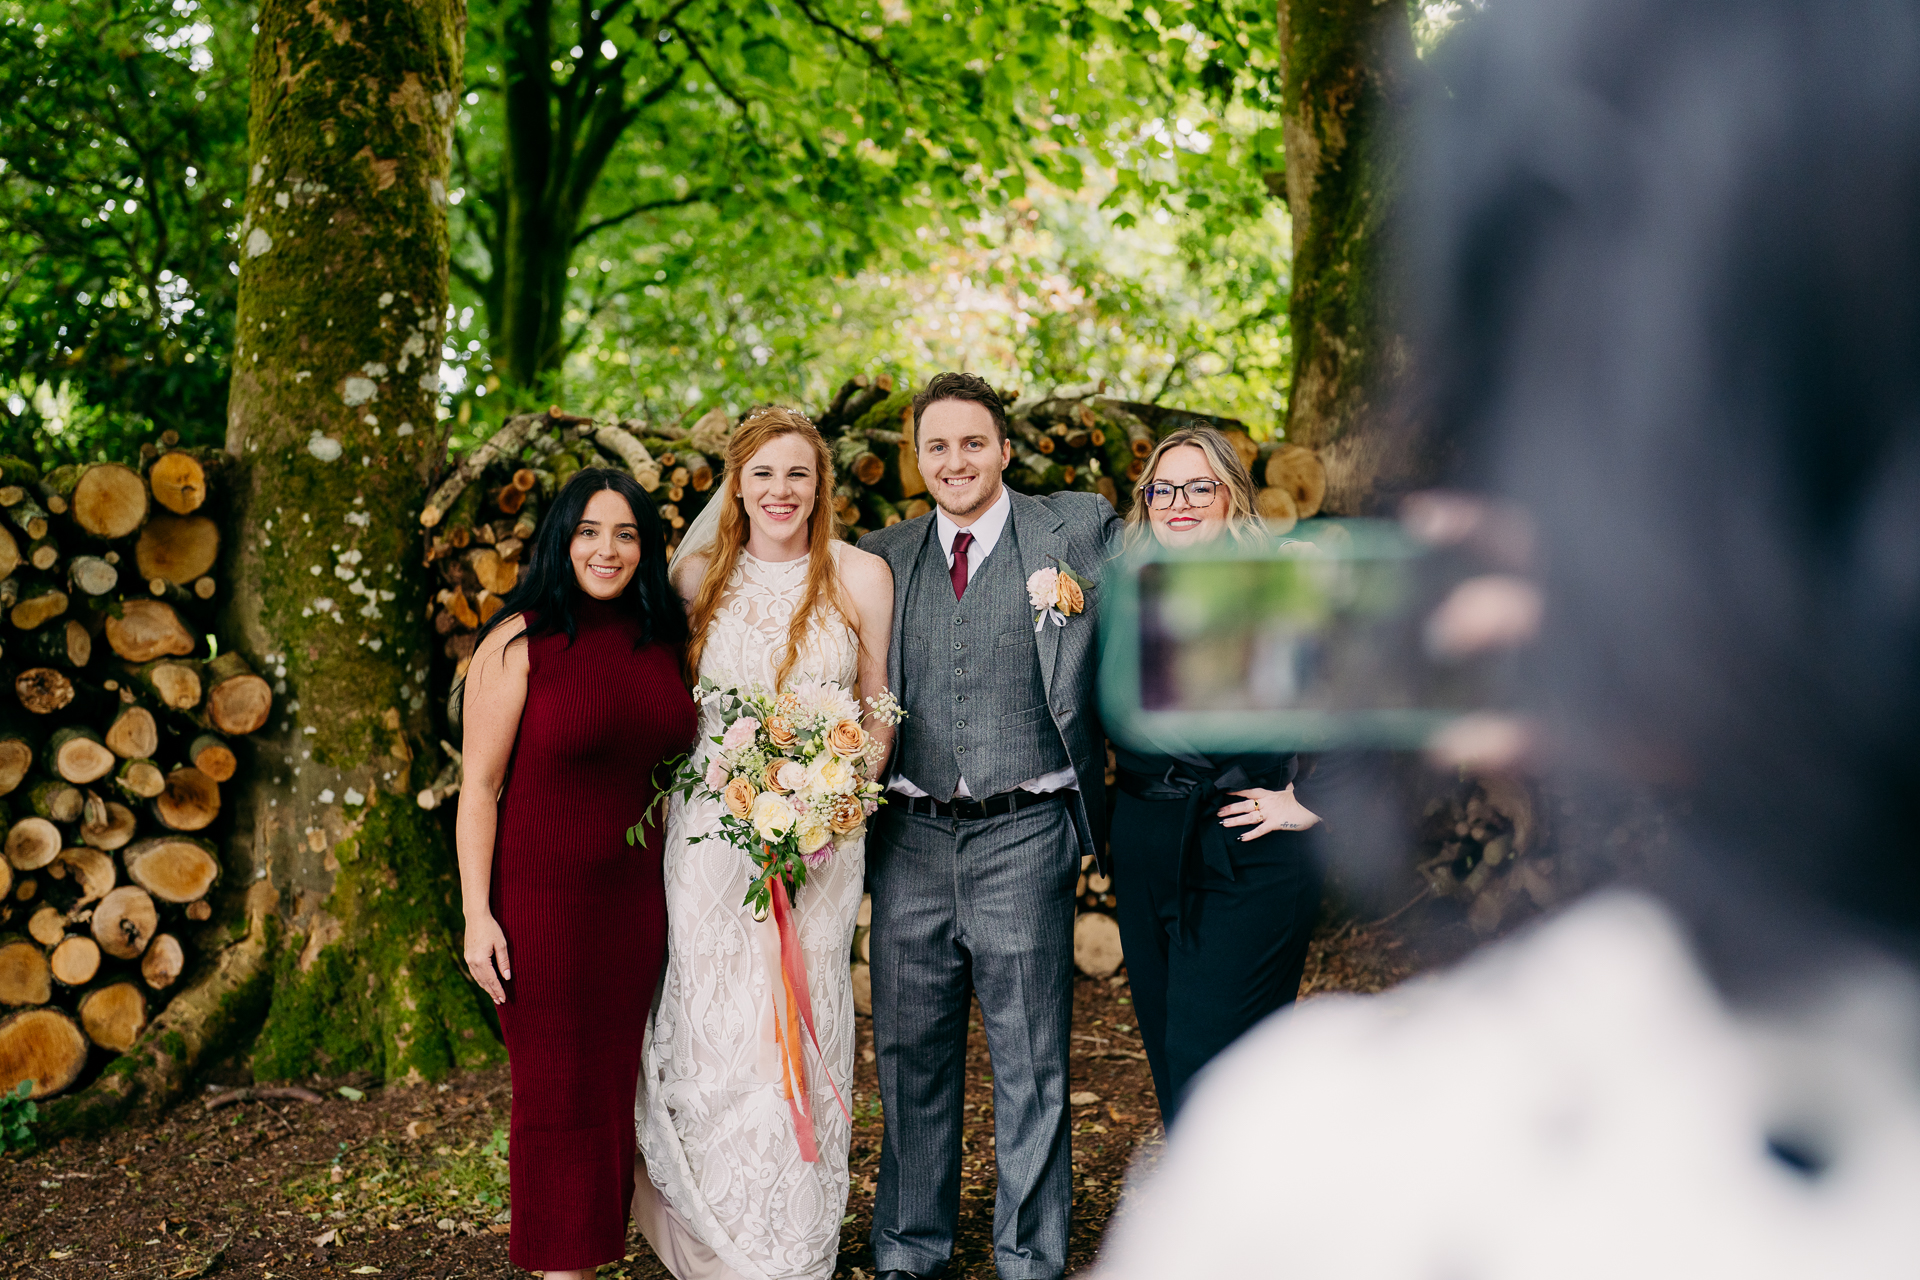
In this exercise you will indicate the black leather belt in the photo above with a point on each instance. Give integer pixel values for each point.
(967, 809)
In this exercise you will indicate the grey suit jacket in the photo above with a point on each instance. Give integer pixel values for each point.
(1077, 529)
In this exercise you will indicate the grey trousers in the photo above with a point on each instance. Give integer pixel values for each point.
(964, 907)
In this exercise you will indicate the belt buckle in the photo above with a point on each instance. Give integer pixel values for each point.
(969, 807)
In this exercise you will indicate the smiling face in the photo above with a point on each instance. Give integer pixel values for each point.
(1183, 524)
(606, 546)
(778, 487)
(961, 457)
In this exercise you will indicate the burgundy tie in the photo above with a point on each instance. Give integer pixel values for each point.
(961, 541)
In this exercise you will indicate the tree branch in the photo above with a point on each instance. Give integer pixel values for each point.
(614, 220)
(872, 50)
(725, 88)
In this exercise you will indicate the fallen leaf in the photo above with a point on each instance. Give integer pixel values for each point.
(1084, 1099)
(419, 1128)
(364, 1271)
(350, 1093)
(499, 1229)
(327, 1237)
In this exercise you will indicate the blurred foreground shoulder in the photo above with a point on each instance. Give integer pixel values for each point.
(895, 538)
(1575, 1102)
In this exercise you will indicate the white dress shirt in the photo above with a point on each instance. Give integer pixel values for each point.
(986, 533)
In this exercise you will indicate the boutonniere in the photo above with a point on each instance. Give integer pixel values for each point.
(1057, 593)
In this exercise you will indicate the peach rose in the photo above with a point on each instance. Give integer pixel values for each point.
(1072, 599)
(780, 731)
(739, 795)
(846, 737)
(845, 814)
(770, 776)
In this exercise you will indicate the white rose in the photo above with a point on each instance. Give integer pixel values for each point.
(812, 835)
(772, 816)
(831, 776)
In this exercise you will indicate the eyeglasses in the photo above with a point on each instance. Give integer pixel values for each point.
(1159, 494)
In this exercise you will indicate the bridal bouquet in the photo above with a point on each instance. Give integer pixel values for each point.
(793, 776)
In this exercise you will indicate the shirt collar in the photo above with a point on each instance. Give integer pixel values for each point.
(986, 530)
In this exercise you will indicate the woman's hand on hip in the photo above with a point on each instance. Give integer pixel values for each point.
(1266, 812)
(486, 952)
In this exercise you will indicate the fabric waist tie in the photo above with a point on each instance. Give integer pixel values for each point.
(1203, 842)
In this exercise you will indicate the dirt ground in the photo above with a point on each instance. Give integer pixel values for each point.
(411, 1182)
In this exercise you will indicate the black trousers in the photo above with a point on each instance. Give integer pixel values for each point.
(1246, 949)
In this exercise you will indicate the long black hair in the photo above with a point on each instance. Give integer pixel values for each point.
(548, 589)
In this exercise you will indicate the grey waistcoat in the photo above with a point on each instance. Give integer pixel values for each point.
(975, 700)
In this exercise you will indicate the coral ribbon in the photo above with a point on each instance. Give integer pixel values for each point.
(797, 1009)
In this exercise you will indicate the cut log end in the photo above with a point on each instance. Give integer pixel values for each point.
(163, 963)
(134, 734)
(93, 873)
(190, 802)
(44, 1046)
(177, 549)
(16, 757)
(1096, 944)
(149, 629)
(43, 690)
(1297, 470)
(75, 961)
(213, 756)
(124, 922)
(110, 501)
(114, 1015)
(25, 978)
(1277, 508)
(79, 756)
(47, 926)
(142, 779)
(238, 701)
(32, 843)
(111, 829)
(172, 869)
(179, 482)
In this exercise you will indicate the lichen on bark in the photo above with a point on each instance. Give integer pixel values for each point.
(333, 426)
(1348, 67)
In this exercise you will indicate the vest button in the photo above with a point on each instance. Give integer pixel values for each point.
(959, 671)
(958, 621)
(959, 724)
(958, 645)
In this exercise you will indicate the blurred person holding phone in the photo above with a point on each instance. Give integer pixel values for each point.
(1213, 862)
(1666, 266)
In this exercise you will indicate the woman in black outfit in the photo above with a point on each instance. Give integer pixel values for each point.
(1213, 863)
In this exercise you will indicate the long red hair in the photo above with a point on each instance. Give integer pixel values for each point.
(823, 581)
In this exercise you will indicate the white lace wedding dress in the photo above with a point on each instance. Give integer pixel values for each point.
(716, 1133)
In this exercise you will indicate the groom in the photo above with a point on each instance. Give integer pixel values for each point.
(997, 791)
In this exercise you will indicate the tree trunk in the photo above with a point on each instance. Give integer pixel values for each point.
(344, 885)
(1348, 64)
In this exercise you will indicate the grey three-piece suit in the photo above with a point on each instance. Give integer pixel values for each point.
(964, 906)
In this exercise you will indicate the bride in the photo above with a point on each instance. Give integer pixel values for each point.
(772, 596)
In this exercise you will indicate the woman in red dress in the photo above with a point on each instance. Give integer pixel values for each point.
(572, 703)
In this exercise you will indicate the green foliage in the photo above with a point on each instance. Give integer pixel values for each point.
(17, 1114)
(122, 152)
(752, 161)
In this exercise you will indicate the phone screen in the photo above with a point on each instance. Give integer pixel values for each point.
(1311, 642)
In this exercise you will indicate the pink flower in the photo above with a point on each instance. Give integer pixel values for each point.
(717, 774)
(791, 776)
(871, 805)
(740, 734)
(819, 857)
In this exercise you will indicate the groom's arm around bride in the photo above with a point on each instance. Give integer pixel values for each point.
(997, 791)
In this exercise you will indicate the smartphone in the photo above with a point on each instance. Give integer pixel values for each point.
(1309, 642)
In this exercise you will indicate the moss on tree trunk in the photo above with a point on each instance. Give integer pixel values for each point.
(332, 420)
(1347, 65)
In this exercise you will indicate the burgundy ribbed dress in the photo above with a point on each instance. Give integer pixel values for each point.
(585, 916)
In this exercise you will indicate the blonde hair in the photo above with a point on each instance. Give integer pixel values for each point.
(762, 426)
(1243, 518)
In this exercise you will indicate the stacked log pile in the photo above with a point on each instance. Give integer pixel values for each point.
(119, 712)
